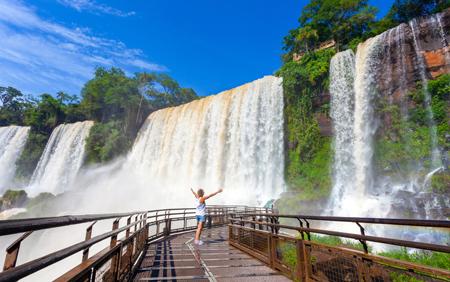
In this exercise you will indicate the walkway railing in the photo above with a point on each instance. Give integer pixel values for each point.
(115, 262)
(262, 236)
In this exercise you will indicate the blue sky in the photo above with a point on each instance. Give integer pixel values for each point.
(209, 45)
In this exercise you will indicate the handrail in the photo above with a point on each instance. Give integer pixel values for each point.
(13, 226)
(261, 236)
(403, 243)
(28, 268)
(390, 221)
(142, 221)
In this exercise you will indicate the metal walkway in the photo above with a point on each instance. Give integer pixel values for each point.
(178, 258)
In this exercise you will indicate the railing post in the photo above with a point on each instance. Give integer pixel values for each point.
(301, 260)
(146, 228)
(87, 237)
(363, 242)
(127, 233)
(115, 258)
(13, 251)
(157, 224)
(301, 225)
(184, 220)
(272, 250)
(307, 232)
(135, 220)
(167, 222)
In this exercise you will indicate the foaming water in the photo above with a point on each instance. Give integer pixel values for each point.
(12, 142)
(62, 158)
(232, 140)
(365, 121)
(385, 68)
(342, 76)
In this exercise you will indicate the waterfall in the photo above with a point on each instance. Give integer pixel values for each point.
(385, 69)
(365, 122)
(232, 140)
(435, 153)
(62, 158)
(342, 75)
(12, 142)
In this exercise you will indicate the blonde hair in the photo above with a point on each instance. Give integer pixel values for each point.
(200, 192)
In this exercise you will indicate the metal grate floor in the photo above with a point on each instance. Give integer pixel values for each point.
(179, 259)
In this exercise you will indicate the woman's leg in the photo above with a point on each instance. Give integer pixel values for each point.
(199, 230)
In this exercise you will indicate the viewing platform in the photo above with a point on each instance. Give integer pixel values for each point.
(240, 244)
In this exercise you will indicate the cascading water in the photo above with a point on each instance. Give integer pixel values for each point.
(12, 142)
(342, 76)
(232, 140)
(438, 19)
(386, 68)
(435, 153)
(62, 158)
(365, 121)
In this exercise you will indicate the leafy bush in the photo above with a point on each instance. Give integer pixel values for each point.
(106, 141)
(34, 147)
(39, 199)
(440, 182)
(308, 153)
(13, 199)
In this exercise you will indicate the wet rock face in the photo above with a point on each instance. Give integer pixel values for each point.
(410, 49)
(400, 64)
(437, 62)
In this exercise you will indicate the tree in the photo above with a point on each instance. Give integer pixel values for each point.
(405, 10)
(45, 115)
(307, 36)
(321, 20)
(163, 91)
(12, 106)
(119, 104)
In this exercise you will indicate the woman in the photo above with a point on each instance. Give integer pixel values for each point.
(200, 211)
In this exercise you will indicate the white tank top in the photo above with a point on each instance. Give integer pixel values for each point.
(200, 208)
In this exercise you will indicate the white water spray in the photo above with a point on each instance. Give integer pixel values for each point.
(365, 122)
(342, 76)
(62, 158)
(435, 152)
(232, 140)
(12, 142)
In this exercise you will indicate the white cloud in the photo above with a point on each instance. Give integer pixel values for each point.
(95, 8)
(37, 55)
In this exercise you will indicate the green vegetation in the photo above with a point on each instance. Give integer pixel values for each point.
(305, 83)
(117, 103)
(433, 259)
(407, 142)
(323, 20)
(288, 254)
(309, 152)
(13, 199)
(39, 200)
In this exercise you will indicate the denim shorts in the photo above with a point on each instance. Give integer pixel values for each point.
(200, 218)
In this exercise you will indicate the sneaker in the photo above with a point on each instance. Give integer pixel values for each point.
(200, 242)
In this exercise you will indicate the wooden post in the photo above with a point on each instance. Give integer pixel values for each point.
(87, 237)
(115, 258)
(13, 251)
(301, 261)
(272, 250)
